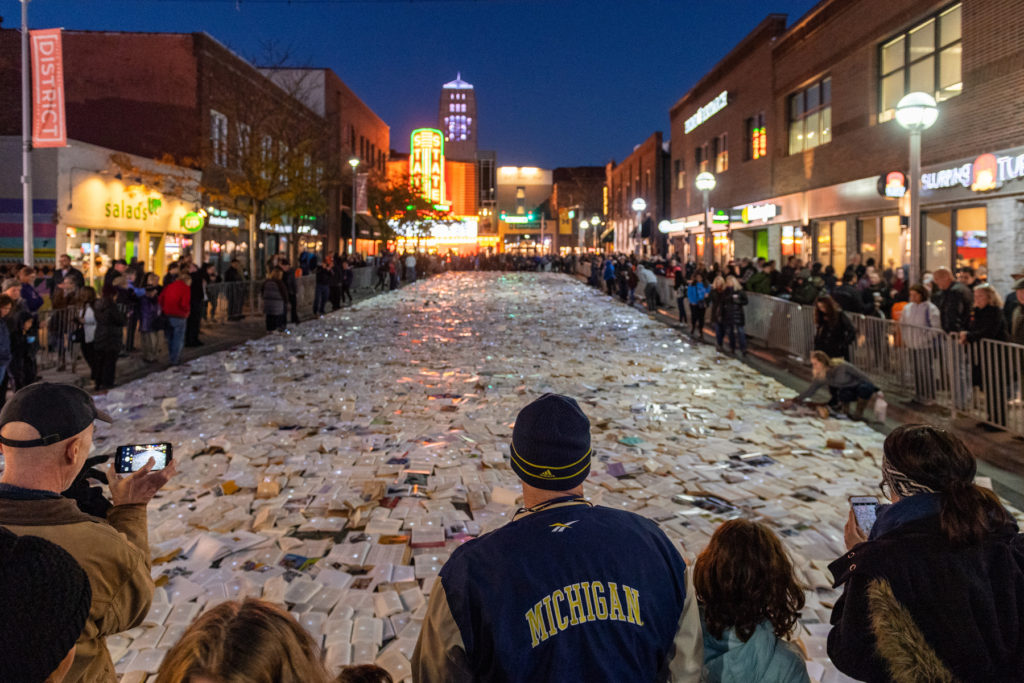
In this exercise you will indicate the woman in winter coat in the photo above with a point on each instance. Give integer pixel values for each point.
(680, 290)
(110, 322)
(833, 331)
(919, 316)
(987, 322)
(934, 590)
(697, 293)
(275, 298)
(719, 295)
(149, 313)
(85, 320)
(735, 319)
(749, 602)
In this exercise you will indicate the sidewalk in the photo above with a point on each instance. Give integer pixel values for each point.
(215, 336)
(999, 453)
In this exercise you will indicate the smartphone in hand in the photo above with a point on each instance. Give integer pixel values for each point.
(864, 511)
(133, 458)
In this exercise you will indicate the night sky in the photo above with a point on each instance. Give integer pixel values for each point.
(558, 82)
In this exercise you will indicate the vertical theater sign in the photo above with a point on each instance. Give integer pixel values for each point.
(426, 163)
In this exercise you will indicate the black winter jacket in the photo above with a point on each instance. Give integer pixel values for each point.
(915, 609)
(954, 305)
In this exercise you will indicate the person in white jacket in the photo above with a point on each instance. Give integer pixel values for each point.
(917, 321)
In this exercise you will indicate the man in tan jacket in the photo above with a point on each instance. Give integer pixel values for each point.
(45, 436)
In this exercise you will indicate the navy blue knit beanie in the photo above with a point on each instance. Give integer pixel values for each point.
(46, 597)
(551, 443)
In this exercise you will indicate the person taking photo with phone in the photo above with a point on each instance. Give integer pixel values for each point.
(46, 432)
(934, 590)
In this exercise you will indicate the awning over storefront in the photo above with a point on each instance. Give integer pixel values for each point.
(608, 235)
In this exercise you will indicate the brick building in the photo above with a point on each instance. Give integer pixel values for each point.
(643, 175)
(353, 130)
(827, 87)
(577, 199)
(183, 97)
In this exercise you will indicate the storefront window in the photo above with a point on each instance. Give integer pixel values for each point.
(972, 238)
(794, 242)
(832, 244)
(839, 259)
(937, 233)
(825, 244)
(868, 229)
(892, 245)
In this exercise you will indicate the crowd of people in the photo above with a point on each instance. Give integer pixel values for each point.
(610, 598)
(961, 304)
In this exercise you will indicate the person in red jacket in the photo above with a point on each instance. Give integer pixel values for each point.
(175, 304)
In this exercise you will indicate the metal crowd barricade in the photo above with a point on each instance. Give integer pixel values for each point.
(55, 328)
(912, 360)
(988, 382)
(781, 324)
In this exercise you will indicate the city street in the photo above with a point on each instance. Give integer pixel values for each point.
(334, 467)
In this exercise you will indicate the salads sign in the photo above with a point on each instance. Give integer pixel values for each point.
(987, 172)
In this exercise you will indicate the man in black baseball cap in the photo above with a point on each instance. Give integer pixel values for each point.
(45, 435)
(567, 590)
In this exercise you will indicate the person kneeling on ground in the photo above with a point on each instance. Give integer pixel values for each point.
(750, 602)
(566, 591)
(45, 596)
(45, 436)
(934, 591)
(845, 381)
(246, 641)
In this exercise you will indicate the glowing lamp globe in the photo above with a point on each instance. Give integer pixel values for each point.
(705, 182)
(917, 111)
(639, 204)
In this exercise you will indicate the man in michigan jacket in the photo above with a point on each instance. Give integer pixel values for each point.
(567, 591)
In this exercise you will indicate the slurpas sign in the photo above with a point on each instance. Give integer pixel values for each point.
(986, 173)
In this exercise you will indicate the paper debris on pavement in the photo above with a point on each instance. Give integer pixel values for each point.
(334, 468)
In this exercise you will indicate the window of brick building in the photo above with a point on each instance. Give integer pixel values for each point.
(810, 116)
(680, 175)
(924, 58)
(721, 144)
(244, 133)
(219, 138)
(756, 138)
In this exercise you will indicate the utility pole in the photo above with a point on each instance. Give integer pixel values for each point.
(28, 236)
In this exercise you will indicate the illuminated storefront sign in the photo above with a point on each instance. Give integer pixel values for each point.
(222, 219)
(192, 222)
(707, 111)
(892, 184)
(987, 172)
(426, 163)
(133, 210)
(759, 212)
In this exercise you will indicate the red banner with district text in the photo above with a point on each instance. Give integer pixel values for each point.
(49, 126)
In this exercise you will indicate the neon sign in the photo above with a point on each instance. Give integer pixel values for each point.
(759, 142)
(892, 184)
(759, 212)
(192, 222)
(987, 172)
(426, 163)
(707, 111)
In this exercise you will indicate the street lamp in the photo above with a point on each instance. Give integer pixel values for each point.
(916, 112)
(639, 204)
(584, 224)
(595, 221)
(353, 162)
(705, 183)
